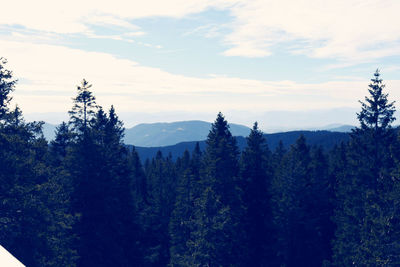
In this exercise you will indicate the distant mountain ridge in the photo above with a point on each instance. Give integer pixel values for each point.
(326, 139)
(164, 134)
(342, 128)
(172, 133)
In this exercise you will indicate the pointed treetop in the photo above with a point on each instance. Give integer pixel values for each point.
(301, 145)
(159, 155)
(112, 114)
(100, 120)
(255, 126)
(84, 107)
(255, 130)
(256, 138)
(220, 128)
(16, 117)
(114, 127)
(376, 112)
(196, 150)
(221, 143)
(115, 122)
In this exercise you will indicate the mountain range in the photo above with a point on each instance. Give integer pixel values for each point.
(176, 137)
(325, 139)
(165, 134)
(168, 134)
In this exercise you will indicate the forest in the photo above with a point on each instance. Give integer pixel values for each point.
(86, 199)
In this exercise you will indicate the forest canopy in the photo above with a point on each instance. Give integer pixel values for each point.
(86, 199)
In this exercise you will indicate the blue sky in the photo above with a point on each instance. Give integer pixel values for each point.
(178, 60)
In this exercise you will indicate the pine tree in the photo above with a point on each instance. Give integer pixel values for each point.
(84, 107)
(33, 220)
(320, 207)
(300, 207)
(367, 215)
(376, 112)
(218, 237)
(139, 180)
(61, 189)
(179, 227)
(107, 230)
(288, 196)
(256, 176)
(182, 223)
(161, 186)
(60, 145)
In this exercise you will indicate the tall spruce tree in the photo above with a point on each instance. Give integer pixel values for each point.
(161, 185)
(107, 231)
(289, 217)
(84, 107)
(60, 145)
(218, 238)
(299, 213)
(61, 189)
(179, 225)
(139, 180)
(376, 112)
(182, 223)
(33, 209)
(256, 177)
(367, 215)
(320, 207)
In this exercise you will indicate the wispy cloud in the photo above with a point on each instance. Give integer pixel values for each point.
(346, 30)
(210, 30)
(391, 68)
(49, 74)
(135, 34)
(342, 29)
(74, 16)
(109, 20)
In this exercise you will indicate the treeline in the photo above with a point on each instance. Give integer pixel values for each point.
(84, 199)
(323, 138)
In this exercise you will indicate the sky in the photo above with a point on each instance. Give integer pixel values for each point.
(287, 64)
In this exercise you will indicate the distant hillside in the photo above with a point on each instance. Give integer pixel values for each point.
(176, 135)
(326, 139)
(342, 128)
(164, 134)
(335, 127)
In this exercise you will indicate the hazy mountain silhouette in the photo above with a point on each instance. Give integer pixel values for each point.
(325, 139)
(164, 134)
(177, 133)
(341, 128)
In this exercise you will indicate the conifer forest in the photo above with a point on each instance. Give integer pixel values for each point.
(87, 199)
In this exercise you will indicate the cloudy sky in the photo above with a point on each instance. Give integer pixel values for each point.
(284, 63)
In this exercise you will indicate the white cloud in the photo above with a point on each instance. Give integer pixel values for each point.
(135, 34)
(49, 75)
(108, 20)
(210, 30)
(247, 50)
(74, 15)
(391, 68)
(341, 29)
(347, 30)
